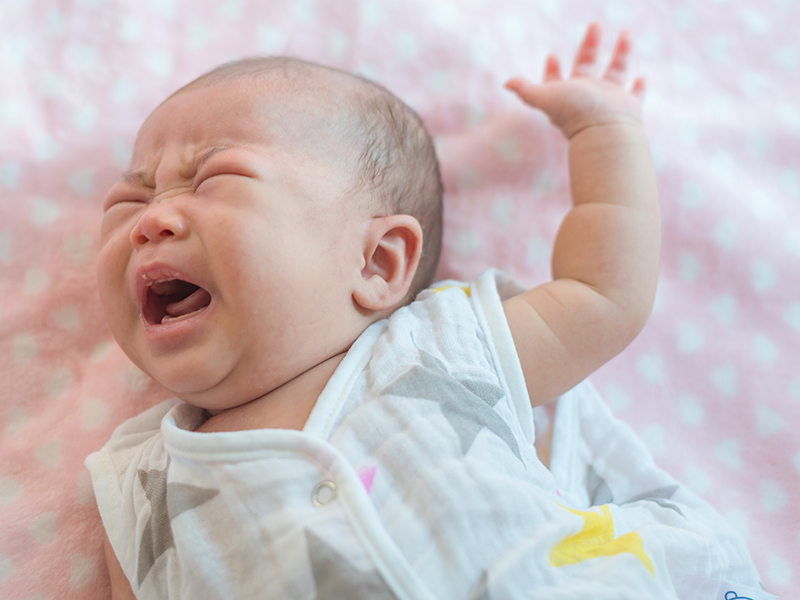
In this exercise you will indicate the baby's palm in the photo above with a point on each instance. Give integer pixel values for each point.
(583, 100)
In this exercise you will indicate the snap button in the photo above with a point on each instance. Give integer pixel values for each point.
(323, 493)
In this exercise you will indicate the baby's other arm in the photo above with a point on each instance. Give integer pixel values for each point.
(606, 254)
(120, 586)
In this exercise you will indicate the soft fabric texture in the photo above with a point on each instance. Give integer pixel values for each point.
(415, 477)
(712, 385)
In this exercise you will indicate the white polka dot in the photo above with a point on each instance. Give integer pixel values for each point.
(616, 398)
(198, 36)
(789, 180)
(688, 134)
(95, 414)
(697, 479)
(764, 349)
(512, 26)
(270, 40)
(407, 46)
(692, 411)
(338, 43)
(10, 490)
(84, 118)
(685, 17)
(655, 438)
(43, 528)
(168, 8)
(9, 175)
(651, 367)
(719, 107)
(36, 280)
(49, 453)
(768, 422)
(25, 348)
(82, 570)
(160, 62)
(482, 52)
(503, 211)
(684, 76)
(46, 148)
(545, 182)
(754, 83)
(84, 489)
(724, 166)
(124, 90)
(763, 205)
(689, 338)
(724, 308)
(304, 10)
(762, 276)
(772, 496)
(101, 351)
(792, 317)
(617, 11)
(67, 318)
(83, 57)
(738, 520)
(539, 251)
(78, 247)
(50, 85)
(778, 570)
(59, 382)
(372, 12)
(725, 233)
(6, 569)
(725, 380)
(718, 50)
(57, 23)
(786, 57)
(444, 15)
(689, 267)
(754, 22)
(438, 80)
(791, 240)
(82, 182)
(728, 451)
(758, 143)
(508, 147)
(43, 212)
(17, 419)
(131, 29)
(794, 388)
(467, 242)
(6, 238)
(233, 10)
(133, 379)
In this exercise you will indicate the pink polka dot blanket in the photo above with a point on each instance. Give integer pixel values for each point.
(712, 385)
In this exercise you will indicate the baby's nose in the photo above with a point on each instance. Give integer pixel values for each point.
(159, 222)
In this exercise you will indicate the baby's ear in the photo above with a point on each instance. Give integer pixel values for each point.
(391, 255)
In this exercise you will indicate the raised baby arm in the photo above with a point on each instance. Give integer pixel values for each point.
(606, 254)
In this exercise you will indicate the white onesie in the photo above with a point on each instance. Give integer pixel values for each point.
(415, 477)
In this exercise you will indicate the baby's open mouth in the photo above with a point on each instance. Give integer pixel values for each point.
(173, 299)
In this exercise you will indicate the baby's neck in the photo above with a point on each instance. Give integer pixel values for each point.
(286, 407)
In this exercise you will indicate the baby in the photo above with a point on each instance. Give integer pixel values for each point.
(342, 430)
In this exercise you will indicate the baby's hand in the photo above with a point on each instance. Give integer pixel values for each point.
(584, 100)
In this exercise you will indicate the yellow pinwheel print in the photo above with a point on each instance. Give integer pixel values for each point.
(597, 539)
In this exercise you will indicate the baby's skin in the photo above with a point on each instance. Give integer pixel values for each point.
(225, 193)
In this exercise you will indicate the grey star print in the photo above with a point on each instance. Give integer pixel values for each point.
(466, 404)
(167, 501)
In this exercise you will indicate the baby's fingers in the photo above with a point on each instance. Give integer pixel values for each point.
(586, 57)
(618, 68)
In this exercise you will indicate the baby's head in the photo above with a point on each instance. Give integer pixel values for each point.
(273, 209)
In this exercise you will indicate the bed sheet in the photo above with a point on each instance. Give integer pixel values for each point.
(713, 382)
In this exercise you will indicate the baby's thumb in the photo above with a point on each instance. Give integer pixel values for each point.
(530, 93)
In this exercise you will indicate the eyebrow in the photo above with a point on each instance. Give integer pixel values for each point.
(139, 176)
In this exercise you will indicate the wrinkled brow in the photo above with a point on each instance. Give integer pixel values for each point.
(139, 176)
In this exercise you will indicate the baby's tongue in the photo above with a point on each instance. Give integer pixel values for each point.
(197, 300)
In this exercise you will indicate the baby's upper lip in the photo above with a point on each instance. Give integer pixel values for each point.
(150, 273)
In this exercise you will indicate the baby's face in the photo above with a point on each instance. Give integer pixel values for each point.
(228, 250)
